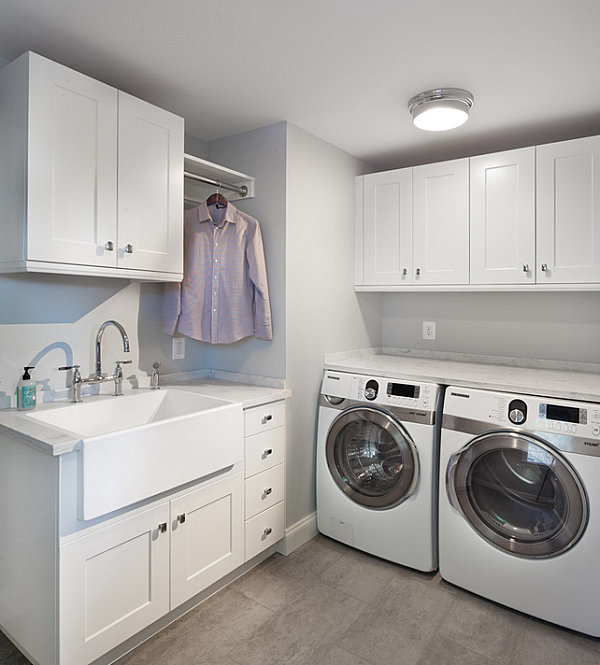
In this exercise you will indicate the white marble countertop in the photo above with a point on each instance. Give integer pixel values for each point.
(55, 441)
(542, 378)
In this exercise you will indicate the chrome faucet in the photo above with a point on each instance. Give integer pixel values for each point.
(155, 376)
(117, 377)
(99, 376)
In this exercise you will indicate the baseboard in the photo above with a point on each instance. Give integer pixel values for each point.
(298, 534)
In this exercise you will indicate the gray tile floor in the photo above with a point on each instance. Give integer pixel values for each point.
(327, 604)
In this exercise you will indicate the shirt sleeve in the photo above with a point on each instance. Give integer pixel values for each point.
(171, 307)
(258, 274)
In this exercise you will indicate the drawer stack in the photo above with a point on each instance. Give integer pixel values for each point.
(265, 476)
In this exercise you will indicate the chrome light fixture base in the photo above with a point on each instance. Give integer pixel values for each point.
(440, 109)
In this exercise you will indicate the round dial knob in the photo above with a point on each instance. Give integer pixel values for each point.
(370, 393)
(517, 411)
(516, 416)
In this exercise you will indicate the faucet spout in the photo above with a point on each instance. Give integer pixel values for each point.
(99, 335)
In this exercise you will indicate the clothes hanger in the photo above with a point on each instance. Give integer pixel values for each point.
(217, 199)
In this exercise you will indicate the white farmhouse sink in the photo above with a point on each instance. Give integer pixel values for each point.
(139, 445)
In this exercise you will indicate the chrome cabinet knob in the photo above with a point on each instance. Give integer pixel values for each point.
(267, 491)
(525, 267)
(544, 267)
(162, 527)
(418, 271)
(181, 518)
(268, 531)
(267, 452)
(266, 419)
(404, 271)
(109, 246)
(129, 248)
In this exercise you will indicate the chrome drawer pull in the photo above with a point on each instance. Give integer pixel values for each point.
(267, 491)
(267, 452)
(267, 531)
(266, 419)
(162, 527)
(181, 518)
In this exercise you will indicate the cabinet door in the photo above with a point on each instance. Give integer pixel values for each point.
(207, 539)
(150, 208)
(568, 211)
(72, 166)
(113, 583)
(503, 217)
(441, 223)
(387, 228)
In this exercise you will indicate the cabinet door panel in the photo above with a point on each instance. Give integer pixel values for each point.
(150, 187)
(113, 583)
(441, 223)
(387, 227)
(503, 217)
(568, 211)
(72, 167)
(207, 540)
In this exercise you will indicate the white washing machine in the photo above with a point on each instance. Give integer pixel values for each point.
(519, 514)
(377, 466)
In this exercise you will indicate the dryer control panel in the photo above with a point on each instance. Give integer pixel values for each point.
(579, 421)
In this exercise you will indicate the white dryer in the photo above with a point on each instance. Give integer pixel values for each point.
(519, 514)
(377, 466)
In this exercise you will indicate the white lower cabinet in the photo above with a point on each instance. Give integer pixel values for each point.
(265, 477)
(120, 578)
(113, 583)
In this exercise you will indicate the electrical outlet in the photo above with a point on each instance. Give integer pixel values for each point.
(428, 329)
(178, 348)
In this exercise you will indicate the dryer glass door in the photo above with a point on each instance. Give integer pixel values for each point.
(372, 458)
(518, 493)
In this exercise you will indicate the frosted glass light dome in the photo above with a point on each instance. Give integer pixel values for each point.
(440, 109)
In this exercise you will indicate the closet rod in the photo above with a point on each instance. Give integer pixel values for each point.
(240, 189)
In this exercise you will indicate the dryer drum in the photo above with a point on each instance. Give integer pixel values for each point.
(372, 458)
(518, 493)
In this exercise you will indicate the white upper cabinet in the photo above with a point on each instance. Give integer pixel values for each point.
(94, 177)
(502, 239)
(568, 211)
(386, 229)
(520, 219)
(441, 223)
(150, 201)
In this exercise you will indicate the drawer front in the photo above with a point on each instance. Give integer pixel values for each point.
(265, 529)
(264, 450)
(265, 417)
(264, 490)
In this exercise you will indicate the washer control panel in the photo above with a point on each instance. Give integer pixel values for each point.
(394, 392)
(381, 390)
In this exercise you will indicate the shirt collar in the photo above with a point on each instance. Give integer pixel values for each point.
(204, 214)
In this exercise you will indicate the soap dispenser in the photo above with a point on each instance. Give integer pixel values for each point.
(26, 391)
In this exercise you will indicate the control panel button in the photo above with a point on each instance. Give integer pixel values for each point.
(517, 411)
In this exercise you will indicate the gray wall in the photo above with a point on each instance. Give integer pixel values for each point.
(323, 312)
(553, 326)
(262, 154)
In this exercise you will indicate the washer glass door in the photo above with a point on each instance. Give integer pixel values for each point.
(372, 458)
(518, 493)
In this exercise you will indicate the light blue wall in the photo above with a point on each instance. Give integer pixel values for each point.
(552, 326)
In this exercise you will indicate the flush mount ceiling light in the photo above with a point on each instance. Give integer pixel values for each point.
(440, 109)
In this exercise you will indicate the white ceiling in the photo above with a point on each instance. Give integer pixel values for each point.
(343, 70)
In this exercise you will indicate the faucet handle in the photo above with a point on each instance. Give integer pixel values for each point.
(123, 362)
(156, 365)
(68, 367)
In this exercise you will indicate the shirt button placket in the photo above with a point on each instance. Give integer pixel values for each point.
(215, 285)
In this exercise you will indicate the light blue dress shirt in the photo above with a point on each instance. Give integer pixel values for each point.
(224, 295)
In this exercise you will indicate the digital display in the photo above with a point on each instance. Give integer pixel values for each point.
(402, 390)
(567, 414)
